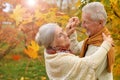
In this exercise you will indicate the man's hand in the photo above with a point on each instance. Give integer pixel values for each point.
(72, 24)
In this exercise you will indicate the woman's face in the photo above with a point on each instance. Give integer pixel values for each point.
(61, 39)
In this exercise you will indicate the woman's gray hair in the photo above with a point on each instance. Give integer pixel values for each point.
(96, 11)
(45, 35)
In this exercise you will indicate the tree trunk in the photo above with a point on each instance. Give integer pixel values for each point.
(68, 6)
(4, 53)
(61, 3)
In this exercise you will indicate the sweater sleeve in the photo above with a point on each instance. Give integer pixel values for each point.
(66, 66)
(75, 46)
(99, 55)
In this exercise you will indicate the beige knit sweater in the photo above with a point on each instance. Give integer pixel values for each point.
(101, 71)
(66, 66)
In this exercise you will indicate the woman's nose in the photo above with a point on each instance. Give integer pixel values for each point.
(83, 25)
(65, 34)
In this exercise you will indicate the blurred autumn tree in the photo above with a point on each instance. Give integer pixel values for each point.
(28, 20)
(9, 40)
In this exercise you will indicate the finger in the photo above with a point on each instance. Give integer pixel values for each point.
(67, 26)
(72, 19)
(72, 30)
(78, 22)
(103, 34)
(109, 36)
(72, 25)
(76, 18)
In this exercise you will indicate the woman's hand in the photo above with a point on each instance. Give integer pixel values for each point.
(72, 24)
(107, 38)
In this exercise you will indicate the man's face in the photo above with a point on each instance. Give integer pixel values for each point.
(92, 27)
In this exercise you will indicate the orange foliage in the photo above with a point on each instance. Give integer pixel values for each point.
(116, 70)
(29, 30)
(16, 57)
(10, 36)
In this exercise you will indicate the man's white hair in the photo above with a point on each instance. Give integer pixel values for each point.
(96, 11)
(45, 35)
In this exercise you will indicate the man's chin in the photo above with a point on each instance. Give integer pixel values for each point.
(88, 34)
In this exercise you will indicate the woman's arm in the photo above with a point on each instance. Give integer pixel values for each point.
(100, 54)
(96, 58)
(75, 46)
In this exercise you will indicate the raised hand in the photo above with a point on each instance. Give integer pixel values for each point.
(107, 38)
(72, 24)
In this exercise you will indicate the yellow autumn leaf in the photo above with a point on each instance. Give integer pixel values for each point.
(34, 45)
(116, 6)
(40, 22)
(32, 50)
(38, 14)
(22, 78)
(78, 3)
(43, 78)
(18, 14)
(53, 9)
(31, 53)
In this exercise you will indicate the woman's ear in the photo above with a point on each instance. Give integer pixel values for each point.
(53, 44)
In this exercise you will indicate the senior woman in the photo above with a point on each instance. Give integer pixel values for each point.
(60, 63)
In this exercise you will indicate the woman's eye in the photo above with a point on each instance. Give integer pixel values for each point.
(60, 35)
(84, 22)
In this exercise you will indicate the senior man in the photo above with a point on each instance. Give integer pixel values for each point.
(93, 20)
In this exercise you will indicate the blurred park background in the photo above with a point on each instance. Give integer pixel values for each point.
(20, 57)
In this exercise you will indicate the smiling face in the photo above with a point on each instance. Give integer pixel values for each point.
(91, 26)
(61, 39)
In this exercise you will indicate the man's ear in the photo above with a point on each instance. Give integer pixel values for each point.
(101, 22)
